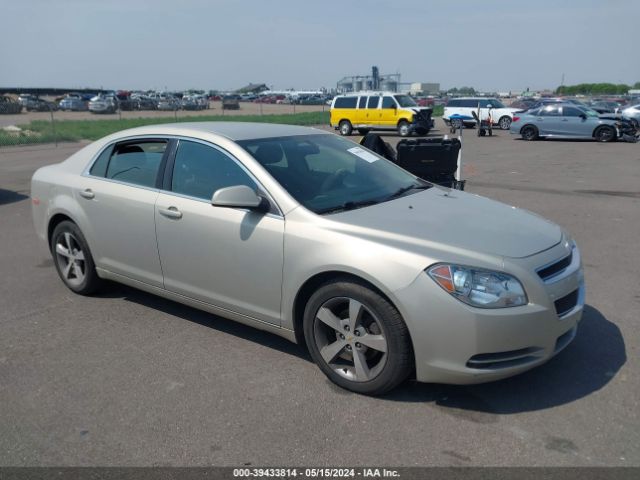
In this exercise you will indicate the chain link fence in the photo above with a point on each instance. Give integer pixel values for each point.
(46, 124)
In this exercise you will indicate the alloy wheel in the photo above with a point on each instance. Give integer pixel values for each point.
(71, 259)
(350, 339)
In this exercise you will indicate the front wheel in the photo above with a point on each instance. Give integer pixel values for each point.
(404, 128)
(605, 134)
(529, 133)
(73, 260)
(345, 128)
(505, 123)
(357, 338)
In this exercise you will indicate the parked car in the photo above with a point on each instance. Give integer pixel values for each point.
(73, 104)
(563, 120)
(144, 102)
(168, 103)
(633, 114)
(523, 103)
(367, 111)
(9, 106)
(605, 107)
(312, 237)
(230, 102)
(34, 104)
(103, 104)
(24, 98)
(500, 114)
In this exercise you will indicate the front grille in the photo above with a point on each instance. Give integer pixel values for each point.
(565, 304)
(555, 268)
(513, 358)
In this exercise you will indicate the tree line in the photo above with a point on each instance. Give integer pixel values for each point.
(596, 89)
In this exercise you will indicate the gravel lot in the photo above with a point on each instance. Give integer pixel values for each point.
(126, 378)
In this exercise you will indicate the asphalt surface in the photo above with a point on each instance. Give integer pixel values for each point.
(125, 378)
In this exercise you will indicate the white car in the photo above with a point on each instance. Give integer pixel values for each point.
(500, 114)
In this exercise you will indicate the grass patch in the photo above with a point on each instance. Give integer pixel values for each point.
(42, 131)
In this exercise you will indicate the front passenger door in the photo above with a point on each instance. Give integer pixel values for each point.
(228, 257)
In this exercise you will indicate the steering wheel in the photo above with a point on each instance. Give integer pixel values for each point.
(334, 179)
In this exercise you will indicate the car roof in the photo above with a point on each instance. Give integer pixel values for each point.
(232, 130)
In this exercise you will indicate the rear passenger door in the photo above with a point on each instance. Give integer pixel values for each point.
(549, 120)
(117, 196)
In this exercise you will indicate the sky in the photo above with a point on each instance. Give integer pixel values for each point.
(492, 45)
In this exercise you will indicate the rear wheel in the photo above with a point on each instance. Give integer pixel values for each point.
(404, 128)
(529, 132)
(73, 260)
(505, 123)
(605, 133)
(345, 127)
(357, 338)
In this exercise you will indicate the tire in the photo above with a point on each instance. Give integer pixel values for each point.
(345, 128)
(363, 131)
(605, 133)
(346, 359)
(403, 128)
(505, 123)
(529, 133)
(73, 260)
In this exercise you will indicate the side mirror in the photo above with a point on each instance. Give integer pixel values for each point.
(239, 196)
(583, 116)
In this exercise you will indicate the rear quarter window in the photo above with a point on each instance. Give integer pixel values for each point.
(345, 102)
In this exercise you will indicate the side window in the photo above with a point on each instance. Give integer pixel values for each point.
(388, 102)
(200, 170)
(362, 103)
(470, 103)
(373, 102)
(550, 111)
(99, 167)
(345, 102)
(453, 103)
(136, 162)
(571, 112)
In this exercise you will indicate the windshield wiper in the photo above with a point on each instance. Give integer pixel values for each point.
(347, 206)
(403, 190)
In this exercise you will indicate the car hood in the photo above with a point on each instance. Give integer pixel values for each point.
(445, 219)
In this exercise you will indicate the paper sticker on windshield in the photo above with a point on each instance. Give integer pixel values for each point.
(363, 154)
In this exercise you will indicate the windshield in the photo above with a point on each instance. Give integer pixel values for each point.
(327, 173)
(405, 101)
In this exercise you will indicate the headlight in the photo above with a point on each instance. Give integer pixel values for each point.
(478, 287)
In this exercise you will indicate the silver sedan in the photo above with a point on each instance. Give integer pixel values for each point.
(564, 120)
(307, 235)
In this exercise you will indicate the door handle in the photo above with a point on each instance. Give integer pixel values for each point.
(87, 193)
(565, 120)
(171, 212)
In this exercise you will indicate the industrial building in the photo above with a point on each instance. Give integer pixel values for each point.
(387, 82)
(375, 81)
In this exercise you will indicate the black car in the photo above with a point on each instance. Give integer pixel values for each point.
(40, 105)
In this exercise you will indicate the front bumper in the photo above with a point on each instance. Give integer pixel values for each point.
(458, 344)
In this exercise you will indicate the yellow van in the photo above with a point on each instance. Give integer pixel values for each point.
(365, 111)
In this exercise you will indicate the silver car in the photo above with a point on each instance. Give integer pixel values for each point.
(563, 120)
(308, 235)
(633, 114)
